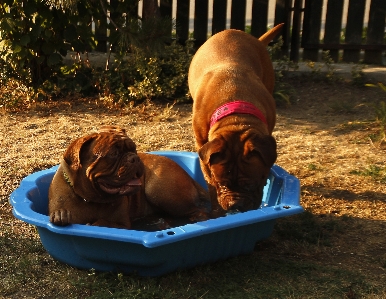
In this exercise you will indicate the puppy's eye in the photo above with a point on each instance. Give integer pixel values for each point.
(112, 155)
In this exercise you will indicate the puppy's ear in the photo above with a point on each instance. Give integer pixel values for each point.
(73, 152)
(265, 146)
(210, 148)
(130, 145)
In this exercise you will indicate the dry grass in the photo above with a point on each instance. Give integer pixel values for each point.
(336, 249)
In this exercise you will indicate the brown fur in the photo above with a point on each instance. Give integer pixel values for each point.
(237, 153)
(109, 158)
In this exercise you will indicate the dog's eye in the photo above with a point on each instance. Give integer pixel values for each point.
(253, 154)
(216, 158)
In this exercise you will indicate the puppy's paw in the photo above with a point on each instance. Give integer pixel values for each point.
(61, 217)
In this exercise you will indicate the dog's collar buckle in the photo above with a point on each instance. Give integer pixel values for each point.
(67, 178)
(236, 107)
(68, 181)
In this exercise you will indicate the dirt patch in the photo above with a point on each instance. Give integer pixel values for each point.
(328, 139)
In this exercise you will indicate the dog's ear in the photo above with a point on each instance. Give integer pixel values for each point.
(112, 129)
(210, 148)
(74, 150)
(265, 146)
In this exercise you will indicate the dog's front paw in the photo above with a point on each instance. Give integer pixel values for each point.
(61, 217)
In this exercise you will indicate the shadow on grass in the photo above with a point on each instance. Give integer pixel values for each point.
(344, 194)
(298, 261)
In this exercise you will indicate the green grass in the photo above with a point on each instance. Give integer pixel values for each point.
(307, 229)
(279, 278)
(376, 172)
(313, 167)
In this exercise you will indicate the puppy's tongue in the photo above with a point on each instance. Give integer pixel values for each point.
(129, 187)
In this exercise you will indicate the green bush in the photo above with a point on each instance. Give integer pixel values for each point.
(139, 77)
(35, 36)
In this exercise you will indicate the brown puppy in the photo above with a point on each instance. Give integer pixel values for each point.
(231, 80)
(102, 181)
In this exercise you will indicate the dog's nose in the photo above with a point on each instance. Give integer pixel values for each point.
(133, 159)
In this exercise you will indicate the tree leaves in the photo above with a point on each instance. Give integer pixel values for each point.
(24, 40)
(54, 59)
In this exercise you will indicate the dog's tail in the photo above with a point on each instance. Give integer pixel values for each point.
(267, 37)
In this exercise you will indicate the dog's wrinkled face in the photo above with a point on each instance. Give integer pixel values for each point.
(104, 165)
(238, 166)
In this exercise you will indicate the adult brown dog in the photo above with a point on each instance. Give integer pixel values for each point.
(231, 80)
(102, 180)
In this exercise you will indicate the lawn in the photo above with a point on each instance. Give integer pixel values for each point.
(328, 137)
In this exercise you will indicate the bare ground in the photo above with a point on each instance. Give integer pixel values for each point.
(328, 138)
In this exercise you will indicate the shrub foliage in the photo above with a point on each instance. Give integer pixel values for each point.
(140, 77)
(36, 35)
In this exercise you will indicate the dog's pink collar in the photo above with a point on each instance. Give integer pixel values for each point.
(236, 107)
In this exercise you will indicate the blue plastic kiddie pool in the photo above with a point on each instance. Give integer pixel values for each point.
(159, 252)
